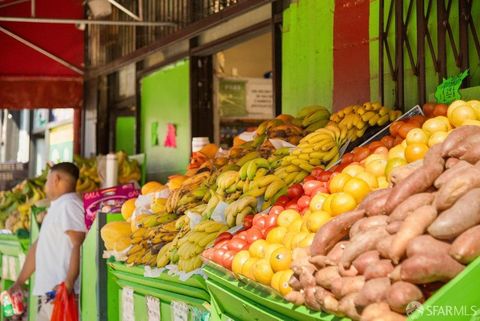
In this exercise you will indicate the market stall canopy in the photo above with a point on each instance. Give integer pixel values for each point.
(41, 64)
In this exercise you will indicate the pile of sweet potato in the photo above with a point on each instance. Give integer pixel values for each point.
(401, 243)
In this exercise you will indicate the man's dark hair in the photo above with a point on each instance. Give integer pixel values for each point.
(67, 168)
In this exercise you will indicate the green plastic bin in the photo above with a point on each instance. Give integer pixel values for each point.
(165, 287)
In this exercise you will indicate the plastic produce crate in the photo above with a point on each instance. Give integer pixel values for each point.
(166, 288)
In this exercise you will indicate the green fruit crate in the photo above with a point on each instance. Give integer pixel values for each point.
(166, 288)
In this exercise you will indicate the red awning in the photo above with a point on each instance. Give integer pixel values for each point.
(28, 78)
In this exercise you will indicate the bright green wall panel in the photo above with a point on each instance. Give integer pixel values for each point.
(165, 99)
(307, 53)
(125, 134)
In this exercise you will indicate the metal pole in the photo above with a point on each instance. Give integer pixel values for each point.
(124, 10)
(399, 43)
(89, 22)
(32, 8)
(140, 9)
(13, 3)
(380, 53)
(421, 27)
(42, 51)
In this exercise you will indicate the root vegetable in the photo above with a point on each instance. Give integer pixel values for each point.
(467, 149)
(310, 299)
(383, 246)
(346, 285)
(425, 244)
(296, 297)
(457, 136)
(333, 231)
(321, 261)
(336, 252)
(409, 205)
(294, 283)
(373, 291)
(375, 310)
(464, 214)
(376, 206)
(414, 225)
(368, 223)
(400, 294)
(451, 173)
(366, 259)
(394, 227)
(378, 270)
(347, 306)
(456, 187)
(326, 300)
(398, 174)
(362, 243)
(351, 271)
(419, 181)
(395, 276)
(421, 269)
(326, 276)
(452, 161)
(390, 316)
(466, 247)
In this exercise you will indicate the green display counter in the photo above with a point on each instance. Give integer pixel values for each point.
(168, 290)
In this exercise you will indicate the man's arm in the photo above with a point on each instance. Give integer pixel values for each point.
(74, 269)
(27, 269)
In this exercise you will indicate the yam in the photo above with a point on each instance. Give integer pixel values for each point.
(452, 161)
(466, 149)
(400, 294)
(296, 297)
(419, 181)
(326, 276)
(451, 191)
(466, 247)
(336, 252)
(383, 246)
(421, 269)
(333, 231)
(366, 259)
(464, 214)
(414, 225)
(326, 300)
(362, 243)
(395, 276)
(368, 223)
(321, 261)
(294, 283)
(376, 206)
(457, 136)
(373, 291)
(351, 271)
(380, 269)
(375, 310)
(398, 174)
(347, 306)
(390, 316)
(409, 205)
(425, 244)
(347, 285)
(310, 299)
(451, 173)
(394, 227)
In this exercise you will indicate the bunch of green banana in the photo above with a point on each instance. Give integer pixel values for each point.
(312, 118)
(191, 246)
(211, 205)
(276, 158)
(226, 182)
(235, 212)
(250, 168)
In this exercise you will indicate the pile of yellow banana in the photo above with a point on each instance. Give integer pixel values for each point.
(356, 119)
(189, 195)
(128, 169)
(191, 246)
(235, 212)
(313, 117)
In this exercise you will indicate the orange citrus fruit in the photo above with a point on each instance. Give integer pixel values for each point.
(306, 242)
(257, 248)
(128, 207)
(396, 152)
(461, 114)
(287, 217)
(238, 260)
(152, 187)
(376, 167)
(437, 138)
(353, 169)
(337, 182)
(270, 249)
(368, 178)
(357, 188)
(281, 259)
(283, 282)
(275, 283)
(341, 203)
(327, 205)
(417, 135)
(288, 240)
(248, 268)
(436, 124)
(393, 163)
(276, 234)
(316, 220)
(296, 225)
(262, 272)
(298, 238)
(316, 203)
(415, 152)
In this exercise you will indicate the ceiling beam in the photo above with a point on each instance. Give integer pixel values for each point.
(89, 22)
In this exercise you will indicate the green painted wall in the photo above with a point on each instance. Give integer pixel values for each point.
(166, 99)
(307, 54)
(125, 134)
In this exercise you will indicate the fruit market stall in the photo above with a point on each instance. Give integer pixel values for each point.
(337, 231)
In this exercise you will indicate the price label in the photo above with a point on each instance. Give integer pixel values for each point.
(180, 311)
(128, 308)
(449, 89)
(153, 308)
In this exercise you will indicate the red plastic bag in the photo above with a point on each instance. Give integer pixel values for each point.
(64, 306)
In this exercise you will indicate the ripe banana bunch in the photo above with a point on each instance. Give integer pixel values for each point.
(249, 169)
(312, 118)
(158, 205)
(276, 158)
(168, 253)
(86, 184)
(270, 186)
(211, 205)
(226, 182)
(235, 212)
(128, 170)
(191, 246)
(265, 126)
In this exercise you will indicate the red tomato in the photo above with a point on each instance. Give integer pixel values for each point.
(223, 236)
(237, 244)
(347, 158)
(218, 256)
(374, 145)
(220, 244)
(440, 110)
(253, 234)
(303, 202)
(271, 220)
(317, 171)
(321, 189)
(208, 253)
(387, 141)
(259, 221)
(292, 204)
(309, 178)
(340, 167)
(242, 236)
(227, 259)
(360, 153)
(248, 221)
(282, 200)
(277, 209)
(295, 191)
(310, 186)
(428, 109)
(325, 177)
